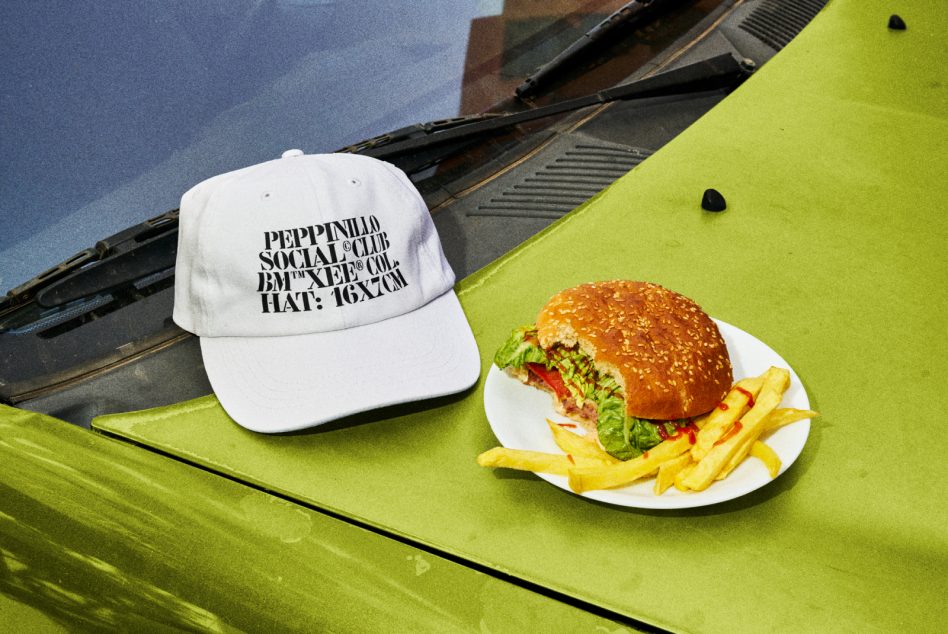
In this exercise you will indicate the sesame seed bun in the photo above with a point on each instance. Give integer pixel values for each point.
(665, 352)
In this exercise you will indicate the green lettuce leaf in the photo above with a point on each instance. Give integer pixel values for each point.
(516, 351)
(624, 437)
(580, 376)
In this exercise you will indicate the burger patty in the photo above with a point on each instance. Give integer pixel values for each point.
(565, 403)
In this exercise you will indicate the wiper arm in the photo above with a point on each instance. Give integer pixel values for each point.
(721, 72)
(625, 15)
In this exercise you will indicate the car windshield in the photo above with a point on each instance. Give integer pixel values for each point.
(111, 110)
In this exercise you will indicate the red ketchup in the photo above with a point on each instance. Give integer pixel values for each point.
(689, 429)
(738, 426)
(750, 397)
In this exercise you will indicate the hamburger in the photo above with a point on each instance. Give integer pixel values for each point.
(632, 362)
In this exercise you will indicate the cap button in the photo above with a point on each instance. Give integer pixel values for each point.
(290, 153)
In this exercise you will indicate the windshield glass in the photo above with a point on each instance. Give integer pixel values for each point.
(111, 110)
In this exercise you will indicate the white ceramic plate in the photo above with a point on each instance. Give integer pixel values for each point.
(517, 414)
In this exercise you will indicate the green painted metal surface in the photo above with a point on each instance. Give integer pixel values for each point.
(96, 535)
(832, 251)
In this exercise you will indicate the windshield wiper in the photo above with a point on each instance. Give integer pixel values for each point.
(149, 249)
(724, 71)
(629, 12)
(115, 262)
(414, 131)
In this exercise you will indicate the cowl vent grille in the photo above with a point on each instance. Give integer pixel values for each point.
(561, 185)
(776, 22)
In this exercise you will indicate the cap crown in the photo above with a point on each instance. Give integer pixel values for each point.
(305, 244)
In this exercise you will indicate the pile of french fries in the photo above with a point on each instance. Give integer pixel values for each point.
(690, 462)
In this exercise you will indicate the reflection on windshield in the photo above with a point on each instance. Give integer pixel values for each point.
(111, 110)
(506, 46)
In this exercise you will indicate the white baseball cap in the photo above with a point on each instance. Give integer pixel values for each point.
(318, 288)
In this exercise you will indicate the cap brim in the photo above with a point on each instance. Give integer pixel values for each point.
(281, 384)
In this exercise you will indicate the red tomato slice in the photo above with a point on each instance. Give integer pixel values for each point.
(551, 377)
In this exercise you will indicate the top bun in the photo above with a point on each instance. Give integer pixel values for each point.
(662, 349)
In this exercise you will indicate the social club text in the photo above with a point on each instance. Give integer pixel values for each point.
(334, 264)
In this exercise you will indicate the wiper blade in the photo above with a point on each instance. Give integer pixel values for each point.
(115, 262)
(721, 72)
(150, 256)
(415, 131)
(620, 19)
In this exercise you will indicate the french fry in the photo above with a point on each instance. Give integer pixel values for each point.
(577, 445)
(776, 382)
(668, 470)
(538, 461)
(776, 419)
(783, 416)
(742, 450)
(768, 456)
(680, 477)
(720, 420)
(582, 478)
